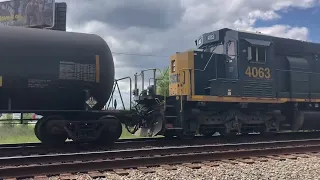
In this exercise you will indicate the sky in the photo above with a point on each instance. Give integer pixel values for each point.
(164, 27)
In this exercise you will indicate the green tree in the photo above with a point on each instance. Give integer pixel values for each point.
(163, 83)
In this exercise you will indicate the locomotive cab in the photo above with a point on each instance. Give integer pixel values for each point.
(215, 58)
(223, 61)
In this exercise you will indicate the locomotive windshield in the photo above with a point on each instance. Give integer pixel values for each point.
(218, 48)
(231, 49)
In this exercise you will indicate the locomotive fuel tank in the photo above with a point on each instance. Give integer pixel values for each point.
(53, 70)
(310, 120)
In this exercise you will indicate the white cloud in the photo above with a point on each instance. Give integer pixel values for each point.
(285, 31)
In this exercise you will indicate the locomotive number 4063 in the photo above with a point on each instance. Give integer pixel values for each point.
(258, 72)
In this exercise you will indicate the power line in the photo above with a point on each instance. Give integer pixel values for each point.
(135, 54)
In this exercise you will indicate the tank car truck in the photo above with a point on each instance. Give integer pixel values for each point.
(236, 82)
(65, 77)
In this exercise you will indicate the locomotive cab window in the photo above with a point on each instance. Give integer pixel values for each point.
(173, 66)
(257, 54)
(257, 50)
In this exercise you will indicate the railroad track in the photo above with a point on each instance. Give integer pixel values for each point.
(69, 147)
(30, 166)
(8, 150)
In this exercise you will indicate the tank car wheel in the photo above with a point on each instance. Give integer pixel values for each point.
(36, 127)
(111, 132)
(44, 131)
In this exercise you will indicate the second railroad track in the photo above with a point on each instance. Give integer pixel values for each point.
(30, 166)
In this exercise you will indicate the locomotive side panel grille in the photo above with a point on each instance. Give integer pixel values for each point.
(253, 88)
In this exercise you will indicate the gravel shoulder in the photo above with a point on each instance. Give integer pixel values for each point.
(301, 168)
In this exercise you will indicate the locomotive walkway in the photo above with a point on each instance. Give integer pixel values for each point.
(117, 161)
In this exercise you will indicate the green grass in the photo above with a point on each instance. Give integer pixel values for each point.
(20, 133)
(17, 133)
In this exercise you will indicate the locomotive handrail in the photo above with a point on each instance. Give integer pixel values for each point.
(205, 67)
(289, 70)
(228, 79)
(142, 76)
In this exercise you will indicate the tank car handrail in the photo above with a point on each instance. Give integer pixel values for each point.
(116, 84)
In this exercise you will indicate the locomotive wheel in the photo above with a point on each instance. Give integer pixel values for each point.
(171, 134)
(208, 134)
(111, 132)
(44, 131)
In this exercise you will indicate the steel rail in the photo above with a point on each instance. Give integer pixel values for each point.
(117, 163)
(91, 156)
(70, 147)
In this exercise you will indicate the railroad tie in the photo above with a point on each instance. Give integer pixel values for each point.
(168, 167)
(192, 166)
(146, 170)
(246, 161)
(67, 176)
(211, 163)
(276, 158)
(40, 178)
(229, 161)
(96, 174)
(121, 172)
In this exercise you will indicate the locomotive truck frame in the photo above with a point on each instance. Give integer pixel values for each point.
(236, 82)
